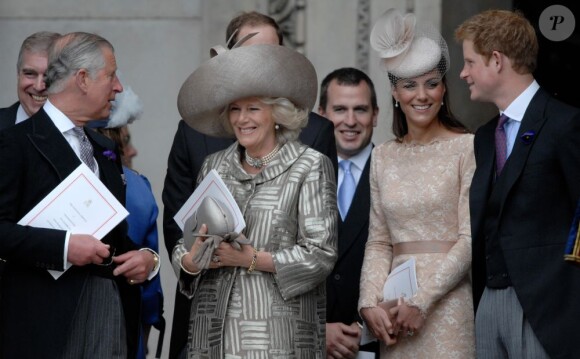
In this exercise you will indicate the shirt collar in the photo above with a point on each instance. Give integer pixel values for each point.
(60, 120)
(517, 108)
(360, 159)
(21, 115)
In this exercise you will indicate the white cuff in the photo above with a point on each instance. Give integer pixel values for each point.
(157, 260)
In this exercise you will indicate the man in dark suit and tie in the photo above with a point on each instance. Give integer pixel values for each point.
(31, 68)
(31, 89)
(91, 310)
(523, 195)
(348, 99)
(191, 147)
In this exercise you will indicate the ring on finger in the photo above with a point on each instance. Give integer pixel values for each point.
(215, 258)
(132, 281)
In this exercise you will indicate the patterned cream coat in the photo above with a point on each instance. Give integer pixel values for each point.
(290, 211)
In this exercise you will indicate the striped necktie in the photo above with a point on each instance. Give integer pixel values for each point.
(86, 148)
(500, 144)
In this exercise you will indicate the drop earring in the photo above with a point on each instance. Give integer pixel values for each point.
(442, 103)
(396, 103)
(277, 127)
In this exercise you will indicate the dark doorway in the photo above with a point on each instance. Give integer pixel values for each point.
(558, 61)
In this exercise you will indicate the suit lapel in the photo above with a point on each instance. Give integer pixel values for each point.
(110, 170)
(357, 218)
(52, 145)
(533, 121)
(482, 182)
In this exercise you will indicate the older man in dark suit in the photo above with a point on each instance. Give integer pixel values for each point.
(348, 99)
(522, 197)
(31, 67)
(91, 310)
(191, 147)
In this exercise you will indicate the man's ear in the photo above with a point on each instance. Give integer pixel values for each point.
(82, 79)
(497, 60)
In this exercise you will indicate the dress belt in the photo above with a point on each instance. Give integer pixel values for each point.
(417, 247)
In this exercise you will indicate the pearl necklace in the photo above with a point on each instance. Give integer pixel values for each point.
(261, 162)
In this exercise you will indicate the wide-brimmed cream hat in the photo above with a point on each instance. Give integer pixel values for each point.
(255, 70)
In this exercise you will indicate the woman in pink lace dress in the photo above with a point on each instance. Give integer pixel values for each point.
(419, 203)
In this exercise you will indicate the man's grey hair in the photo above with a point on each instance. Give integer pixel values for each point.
(72, 52)
(39, 42)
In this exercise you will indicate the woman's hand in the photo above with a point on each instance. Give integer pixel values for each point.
(379, 324)
(232, 257)
(187, 259)
(408, 319)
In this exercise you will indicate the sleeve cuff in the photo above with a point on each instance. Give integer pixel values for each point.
(157, 260)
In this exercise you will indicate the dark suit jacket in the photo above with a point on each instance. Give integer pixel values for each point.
(534, 198)
(185, 159)
(342, 285)
(36, 310)
(8, 116)
(7, 119)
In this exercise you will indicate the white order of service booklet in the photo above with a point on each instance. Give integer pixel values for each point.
(80, 204)
(401, 282)
(211, 186)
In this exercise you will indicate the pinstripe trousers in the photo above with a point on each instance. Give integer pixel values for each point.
(501, 329)
(98, 327)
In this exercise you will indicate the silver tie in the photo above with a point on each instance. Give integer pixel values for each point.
(86, 148)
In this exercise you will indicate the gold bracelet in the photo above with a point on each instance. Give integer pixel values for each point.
(254, 260)
(156, 259)
(183, 268)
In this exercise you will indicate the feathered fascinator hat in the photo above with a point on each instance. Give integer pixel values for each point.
(405, 50)
(256, 70)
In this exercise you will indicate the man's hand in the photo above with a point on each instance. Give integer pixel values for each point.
(85, 249)
(134, 265)
(342, 340)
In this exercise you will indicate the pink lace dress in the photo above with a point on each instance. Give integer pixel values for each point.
(421, 193)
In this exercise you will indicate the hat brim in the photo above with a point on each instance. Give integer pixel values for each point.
(248, 71)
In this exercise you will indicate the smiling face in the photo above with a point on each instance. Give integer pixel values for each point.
(350, 110)
(479, 74)
(31, 86)
(420, 98)
(253, 125)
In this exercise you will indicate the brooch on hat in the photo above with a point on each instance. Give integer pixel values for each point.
(527, 137)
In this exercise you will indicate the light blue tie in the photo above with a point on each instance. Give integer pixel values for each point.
(347, 188)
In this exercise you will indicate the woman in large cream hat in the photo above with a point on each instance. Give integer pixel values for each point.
(419, 203)
(266, 298)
